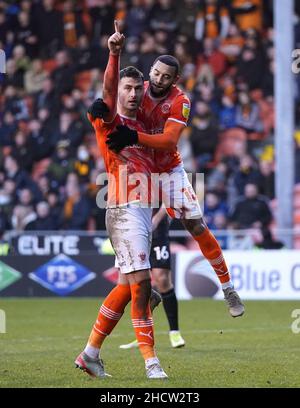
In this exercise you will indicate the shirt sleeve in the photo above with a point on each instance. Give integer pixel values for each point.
(180, 110)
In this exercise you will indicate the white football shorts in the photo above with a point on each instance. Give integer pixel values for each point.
(178, 195)
(130, 232)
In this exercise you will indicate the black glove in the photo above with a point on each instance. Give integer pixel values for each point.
(98, 109)
(121, 137)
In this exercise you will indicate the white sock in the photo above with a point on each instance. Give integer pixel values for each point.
(91, 351)
(174, 331)
(151, 361)
(226, 285)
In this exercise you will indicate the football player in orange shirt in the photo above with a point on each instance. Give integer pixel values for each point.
(165, 111)
(128, 219)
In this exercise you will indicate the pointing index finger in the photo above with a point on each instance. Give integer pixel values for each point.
(117, 29)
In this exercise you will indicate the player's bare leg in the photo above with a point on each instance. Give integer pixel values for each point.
(213, 253)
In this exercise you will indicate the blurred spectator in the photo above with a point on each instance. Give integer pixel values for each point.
(212, 20)
(49, 27)
(13, 77)
(62, 164)
(34, 77)
(4, 27)
(247, 173)
(204, 135)
(25, 197)
(68, 129)
(251, 211)
(76, 209)
(247, 114)
(72, 24)
(163, 16)
(186, 18)
(120, 13)
(249, 65)
(267, 179)
(26, 34)
(23, 150)
(55, 207)
(213, 205)
(247, 14)
(63, 74)
(23, 218)
(102, 15)
(43, 183)
(84, 164)
(227, 114)
(6, 206)
(40, 136)
(268, 79)
(97, 213)
(8, 128)
(232, 44)
(46, 98)
(148, 54)
(85, 56)
(19, 176)
(44, 220)
(131, 54)
(212, 56)
(136, 19)
(216, 180)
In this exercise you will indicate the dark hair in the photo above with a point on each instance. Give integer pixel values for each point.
(169, 60)
(131, 72)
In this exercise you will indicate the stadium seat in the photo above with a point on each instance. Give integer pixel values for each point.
(40, 168)
(49, 65)
(230, 147)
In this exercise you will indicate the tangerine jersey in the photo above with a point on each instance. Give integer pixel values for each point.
(155, 112)
(122, 168)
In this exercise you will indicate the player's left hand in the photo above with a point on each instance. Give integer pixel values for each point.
(98, 109)
(121, 137)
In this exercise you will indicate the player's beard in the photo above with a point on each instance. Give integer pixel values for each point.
(159, 94)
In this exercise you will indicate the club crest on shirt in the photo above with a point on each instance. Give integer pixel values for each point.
(165, 108)
(185, 110)
(142, 257)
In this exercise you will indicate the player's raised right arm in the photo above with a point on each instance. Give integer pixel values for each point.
(111, 75)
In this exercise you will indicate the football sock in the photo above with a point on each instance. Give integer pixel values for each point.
(170, 303)
(142, 319)
(109, 314)
(213, 253)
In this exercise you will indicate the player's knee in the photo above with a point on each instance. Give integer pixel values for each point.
(163, 283)
(195, 226)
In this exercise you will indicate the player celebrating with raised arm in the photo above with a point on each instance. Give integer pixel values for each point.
(127, 222)
(165, 111)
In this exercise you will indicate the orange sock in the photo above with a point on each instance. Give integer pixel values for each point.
(213, 253)
(109, 314)
(142, 321)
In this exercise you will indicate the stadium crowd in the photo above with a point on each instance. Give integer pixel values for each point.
(56, 55)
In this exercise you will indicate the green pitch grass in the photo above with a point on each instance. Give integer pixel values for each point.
(45, 335)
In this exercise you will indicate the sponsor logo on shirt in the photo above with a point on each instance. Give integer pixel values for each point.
(185, 110)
